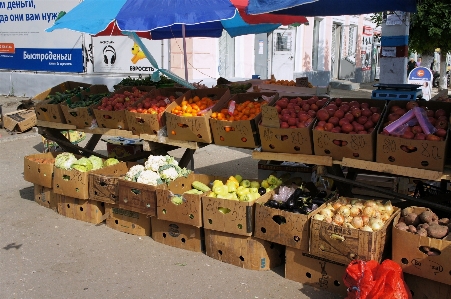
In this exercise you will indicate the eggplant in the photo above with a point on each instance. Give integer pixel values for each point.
(306, 210)
(261, 190)
(297, 211)
(314, 206)
(318, 201)
(273, 204)
(290, 203)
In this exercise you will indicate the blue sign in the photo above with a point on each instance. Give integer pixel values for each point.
(50, 60)
(422, 76)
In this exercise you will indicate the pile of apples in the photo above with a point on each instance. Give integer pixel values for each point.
(121, 101)
(340, 116)
(298, 113)
(152, 105)
(438, 118)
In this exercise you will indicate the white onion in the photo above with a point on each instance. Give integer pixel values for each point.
(319, 217)
(374, 220)
(344, 200)
(368, 211)
(355, 211)
(326, 212)
(365, 219)
(338, 219)
(357, 222)
(336, 205)
(366, 228)
(345, 211)
(389, 208)
(376, 226)
(380, 206)
(348, 219)
(377, 214)
(328, 219)
(359, 205)
(370, 203)
(348, 225)
(385, 216)
(355, 201)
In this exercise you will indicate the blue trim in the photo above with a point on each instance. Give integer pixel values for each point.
(394, 41)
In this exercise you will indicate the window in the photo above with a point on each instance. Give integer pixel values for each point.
(283, 41)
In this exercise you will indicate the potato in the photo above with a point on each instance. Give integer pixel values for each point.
(443, 221)
(401, 226)
(412, 229)
(428, 216)
(422, 232)
(401, 220)
(437, 231)
(412, 219)
(422, 225)
(406, 211)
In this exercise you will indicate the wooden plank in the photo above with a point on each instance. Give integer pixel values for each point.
(393, 169)
(306, 159)
(168, 141)
(110, 132)
(48, 124)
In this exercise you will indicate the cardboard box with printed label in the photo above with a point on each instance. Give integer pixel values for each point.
(117, 119)
(284, 140)
(423, 154)
(145, 123)
(409, 251)
(178, 235)
(127, 221)
(342, 244)
(38, 169)
(240, 133)
(52, 112)
(82, 117)
(354, 146)
(103, 183)
(19, 121)
(231, 216)
(282, 227)
(138, 197)
(422, 288)
(45, 197)
(245, 252)
(85, 210)
(190, 211)
(317, 272)
(194, 128)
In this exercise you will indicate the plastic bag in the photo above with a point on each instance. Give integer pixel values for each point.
(370, 280)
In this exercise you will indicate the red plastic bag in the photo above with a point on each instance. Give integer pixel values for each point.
(369, 280)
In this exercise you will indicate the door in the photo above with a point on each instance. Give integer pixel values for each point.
(283, 53)
(336, 50)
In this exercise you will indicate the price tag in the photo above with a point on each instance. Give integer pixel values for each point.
(270, 117)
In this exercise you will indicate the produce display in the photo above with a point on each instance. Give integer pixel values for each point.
(69, 161)
(153, 105)
(296, 200)
(194, 106)
(242, 111)
(298, 113)
(60, 97)
(156, 170)
(87, 100)
(236, 188)
(42, 160)
(415, 122)
(147, 81)
(426, 224)
(352, 117)
(281, 82)
(365, 215)
(121, 101)
(236, 88)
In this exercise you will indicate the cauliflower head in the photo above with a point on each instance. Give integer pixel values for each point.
(148, 177)
(154, 162)
(134, 172)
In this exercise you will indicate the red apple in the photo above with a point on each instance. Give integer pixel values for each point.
(362, 119)
(339, 114)
(334, 120)
(322, 114)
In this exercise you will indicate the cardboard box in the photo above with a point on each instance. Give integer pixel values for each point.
(37, 172)
(231, 216)
(53, 112)
(85, 210)
(82, 117)
(358, 146)
(140, 123)
(117, 119)
(293, 90)
(190, 211)
(136, 197)
(239, 133)
(407, 251)
(127, 221)
(19, 121)
(178, 235)
(283, 227)
(284, 169)
(45, 197)
(423, 154)
(342, 245)
(422, 288)
(103, 183)
(245, 252)
(314, 271)
(195, 128)
(284, 140)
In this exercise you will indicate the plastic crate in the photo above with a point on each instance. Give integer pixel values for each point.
(432, 193)
(405, 92)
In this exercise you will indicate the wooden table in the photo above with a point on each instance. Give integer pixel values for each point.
(152, 144)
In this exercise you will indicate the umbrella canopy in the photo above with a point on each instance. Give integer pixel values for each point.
(328, 7)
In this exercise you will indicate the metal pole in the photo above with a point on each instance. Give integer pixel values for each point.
(185, 58)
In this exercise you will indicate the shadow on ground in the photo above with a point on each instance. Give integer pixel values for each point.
(27, 193)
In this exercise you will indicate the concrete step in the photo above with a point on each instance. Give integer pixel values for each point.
(344, 84)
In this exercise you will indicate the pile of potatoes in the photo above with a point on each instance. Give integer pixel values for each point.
(426, 224)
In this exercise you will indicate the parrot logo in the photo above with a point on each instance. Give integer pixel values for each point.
(138, 54)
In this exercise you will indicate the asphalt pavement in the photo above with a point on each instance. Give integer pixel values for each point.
(46, 255)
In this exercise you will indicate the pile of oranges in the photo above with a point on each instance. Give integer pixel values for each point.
(243, 111)
(193, 107)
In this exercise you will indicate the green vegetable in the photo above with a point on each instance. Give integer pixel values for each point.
(82, 164)
(239, 178)
(177, 200)
(245, 183)
(193, 191)
(200, 186)
(110, 161)
(65, 160)
(255, 184)
(97, 162)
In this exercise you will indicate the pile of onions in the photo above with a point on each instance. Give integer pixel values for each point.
(366, 215)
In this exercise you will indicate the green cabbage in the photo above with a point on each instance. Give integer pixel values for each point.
(65, 160)
(110, 161)
(82, 164)
(97, 162)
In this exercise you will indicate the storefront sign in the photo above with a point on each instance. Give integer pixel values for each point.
(422, 76)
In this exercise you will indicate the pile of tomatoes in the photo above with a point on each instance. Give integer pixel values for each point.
(121, 101)
(151, 105)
